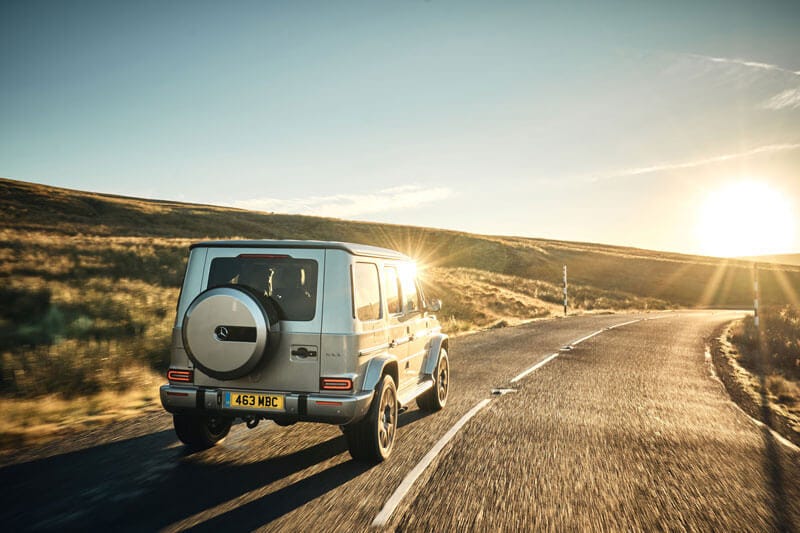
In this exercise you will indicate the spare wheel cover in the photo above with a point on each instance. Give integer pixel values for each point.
(226, 332)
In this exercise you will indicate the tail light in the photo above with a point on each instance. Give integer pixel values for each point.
(180, 376)
(336, 384)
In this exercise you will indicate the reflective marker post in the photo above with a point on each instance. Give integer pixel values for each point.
(755, 294)
(565, 290)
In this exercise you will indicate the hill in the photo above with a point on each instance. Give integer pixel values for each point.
(90, 281)
(777, 259)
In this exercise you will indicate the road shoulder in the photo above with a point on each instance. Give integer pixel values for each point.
(746, 390)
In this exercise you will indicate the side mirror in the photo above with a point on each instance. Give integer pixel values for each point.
(435, 305)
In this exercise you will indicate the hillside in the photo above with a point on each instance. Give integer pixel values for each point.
(777, 259)
(91, 281)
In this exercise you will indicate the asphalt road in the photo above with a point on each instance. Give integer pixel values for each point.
(626, 431)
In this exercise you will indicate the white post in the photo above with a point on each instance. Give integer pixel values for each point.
(755, 294)
(565, 290)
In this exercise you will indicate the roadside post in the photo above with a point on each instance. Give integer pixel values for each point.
(755, 294)
(565, 290)
(762, 345)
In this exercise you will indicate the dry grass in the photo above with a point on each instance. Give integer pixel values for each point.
(784, 391)
(34, 421)
(776, 358)
(480, 299)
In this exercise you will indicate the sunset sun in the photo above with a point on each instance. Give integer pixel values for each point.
(745, 218)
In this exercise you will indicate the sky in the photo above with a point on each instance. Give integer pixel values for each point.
(609, 122)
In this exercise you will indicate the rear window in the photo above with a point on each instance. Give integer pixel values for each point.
(290, 282)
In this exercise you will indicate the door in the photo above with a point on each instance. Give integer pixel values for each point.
(414, 320)
(396, 326)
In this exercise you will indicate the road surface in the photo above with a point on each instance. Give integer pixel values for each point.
(628, 430)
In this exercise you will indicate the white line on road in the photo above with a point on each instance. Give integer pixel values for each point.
(587, 337)
(395, 499)
(573, 343)
(598, 332)
(777, 436)
(534, 367)
(626, 323)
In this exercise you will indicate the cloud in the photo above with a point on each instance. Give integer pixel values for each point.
(351, 205)
(745, 63)
(680, 165)
(787, 99)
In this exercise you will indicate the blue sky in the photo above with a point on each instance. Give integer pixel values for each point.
(609, 122)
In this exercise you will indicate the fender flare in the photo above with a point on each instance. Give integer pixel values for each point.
(376, 368)
(432, 359)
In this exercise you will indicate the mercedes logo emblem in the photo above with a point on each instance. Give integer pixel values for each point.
(222, 333)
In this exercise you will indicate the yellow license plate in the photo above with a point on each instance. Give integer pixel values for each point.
(258, 402)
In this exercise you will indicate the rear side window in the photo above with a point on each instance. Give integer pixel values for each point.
(290, 282)
(410, 295)
(366, 291)
(393, 302)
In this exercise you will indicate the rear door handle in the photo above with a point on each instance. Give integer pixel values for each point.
(304, 352)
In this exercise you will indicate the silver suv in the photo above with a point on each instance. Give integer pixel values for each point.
(303, 331)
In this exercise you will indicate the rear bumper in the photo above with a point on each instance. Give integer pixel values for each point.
(298, 407)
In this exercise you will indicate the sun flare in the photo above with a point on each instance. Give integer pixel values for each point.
(745, 218)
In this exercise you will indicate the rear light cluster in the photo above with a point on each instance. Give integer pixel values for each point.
(336, 384)
(180, 376)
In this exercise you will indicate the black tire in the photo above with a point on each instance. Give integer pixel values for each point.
(201, 432)
(372, 438)
(435, 398)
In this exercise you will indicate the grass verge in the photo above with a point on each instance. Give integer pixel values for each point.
(768, 397)
(38, 420)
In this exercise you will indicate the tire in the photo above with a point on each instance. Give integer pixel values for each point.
(372, 438)
(201, 432)
(435, 398)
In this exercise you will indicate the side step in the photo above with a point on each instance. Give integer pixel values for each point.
(408, 394)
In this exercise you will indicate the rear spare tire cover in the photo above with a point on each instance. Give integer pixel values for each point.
(227, 331)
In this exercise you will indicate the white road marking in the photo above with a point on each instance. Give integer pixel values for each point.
(598, 332)
(780, 438)
(569, 346)
(586, 338)
(534, 367)
(395, 499)
(626, 323)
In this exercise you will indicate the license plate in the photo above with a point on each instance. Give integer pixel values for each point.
(258, 402)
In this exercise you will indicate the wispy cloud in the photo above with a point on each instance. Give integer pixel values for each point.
(787, 99)
(681, 165)
(745, 63)
(351, 205)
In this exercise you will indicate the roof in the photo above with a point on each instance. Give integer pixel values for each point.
(352, 248)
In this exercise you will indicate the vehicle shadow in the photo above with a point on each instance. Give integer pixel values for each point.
(264, 510)
(149, 483)
(152, 482)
